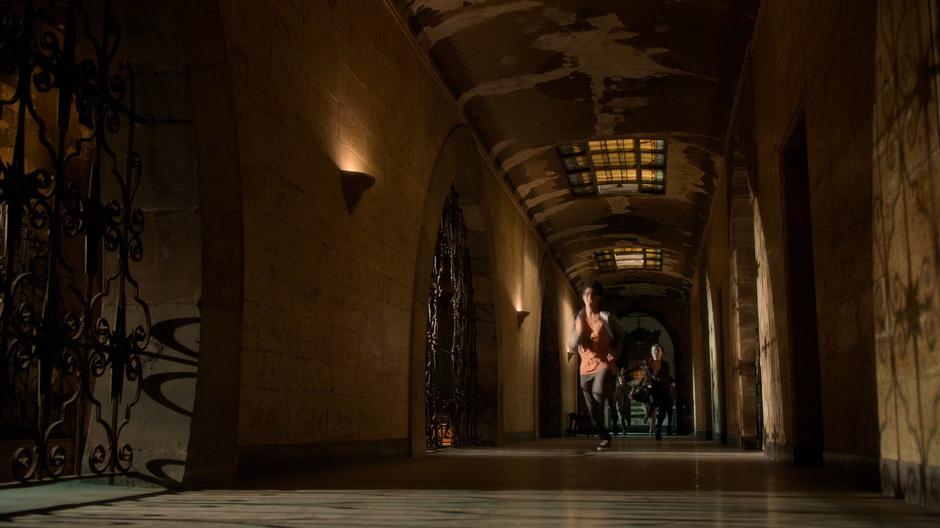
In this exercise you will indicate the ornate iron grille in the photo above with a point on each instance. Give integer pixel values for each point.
(72, 323)
(549, 367)
(451, 359)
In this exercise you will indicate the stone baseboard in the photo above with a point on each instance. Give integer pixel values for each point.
(777, 452)
(264, 460)
(750, 443)
(518, 436)
(915, 483)
(704, 435)
(860, 468)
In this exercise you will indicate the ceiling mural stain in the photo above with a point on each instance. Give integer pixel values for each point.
(526, 189)
(533, 75)
(523, 156)
(542, 216)
(514, 84)
(467, 17)
(499, 147)
(539, 198)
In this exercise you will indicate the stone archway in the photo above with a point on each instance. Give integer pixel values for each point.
(194, 242)
(459, 167)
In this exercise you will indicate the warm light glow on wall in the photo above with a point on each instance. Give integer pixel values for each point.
(348, 160)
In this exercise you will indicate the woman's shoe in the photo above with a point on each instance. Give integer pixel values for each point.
(605, 444)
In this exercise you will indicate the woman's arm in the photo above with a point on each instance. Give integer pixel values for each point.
(575, 338)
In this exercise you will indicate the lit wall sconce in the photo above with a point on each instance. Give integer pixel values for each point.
(355, 184)
(521, 315)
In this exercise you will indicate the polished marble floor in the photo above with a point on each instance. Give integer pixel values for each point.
(678, 482)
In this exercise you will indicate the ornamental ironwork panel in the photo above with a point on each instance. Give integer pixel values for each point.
(549, 367)
(451, 358)
(73, 325)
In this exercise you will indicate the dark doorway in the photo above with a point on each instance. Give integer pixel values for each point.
(801, 301)
(637, 342)
(723, 390)
(549, 367)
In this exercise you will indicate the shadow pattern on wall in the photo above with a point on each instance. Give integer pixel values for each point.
(907, 249)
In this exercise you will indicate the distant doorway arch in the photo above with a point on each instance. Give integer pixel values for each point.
(642, 330)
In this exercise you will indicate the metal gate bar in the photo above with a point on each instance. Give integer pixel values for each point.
(72, 322)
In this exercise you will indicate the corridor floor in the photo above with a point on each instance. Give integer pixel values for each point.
(678, 482)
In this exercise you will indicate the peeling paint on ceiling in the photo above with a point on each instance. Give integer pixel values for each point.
(531, 75)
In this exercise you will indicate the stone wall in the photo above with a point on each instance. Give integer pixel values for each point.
(714, 266)
(906, 245)
(333, 299)
(802, 58)
(328, 292)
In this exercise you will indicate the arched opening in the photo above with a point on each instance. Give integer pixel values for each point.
(549, 366)
(451, 404)
(454, 198)
(713, 314)
(801, 301)
(642, 330)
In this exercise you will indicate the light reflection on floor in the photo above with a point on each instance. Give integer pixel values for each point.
(676, 483)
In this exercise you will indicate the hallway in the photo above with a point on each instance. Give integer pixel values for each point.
(678, 482)
(374, 261)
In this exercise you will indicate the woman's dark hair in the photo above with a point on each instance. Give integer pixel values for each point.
(595, 286)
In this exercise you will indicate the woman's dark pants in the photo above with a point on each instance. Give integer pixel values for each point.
(594, 387)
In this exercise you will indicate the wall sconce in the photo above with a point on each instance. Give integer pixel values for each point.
(355, 184)
(521, 315)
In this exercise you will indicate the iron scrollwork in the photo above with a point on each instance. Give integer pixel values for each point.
(451, 358)
(73, 325)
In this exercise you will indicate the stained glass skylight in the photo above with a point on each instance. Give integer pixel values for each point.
(615, 166)
(630, 258)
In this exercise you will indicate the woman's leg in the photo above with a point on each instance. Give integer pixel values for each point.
(661, 413)
(651, 416)
(600, 391)
(587, 384)
(593, 389)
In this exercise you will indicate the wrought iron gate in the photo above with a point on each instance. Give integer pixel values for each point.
(549, 367)
(451, 359)
(72, 323)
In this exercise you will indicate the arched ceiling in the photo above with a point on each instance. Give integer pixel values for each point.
(531, 75)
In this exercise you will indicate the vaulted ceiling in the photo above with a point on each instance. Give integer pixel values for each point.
(533, 75)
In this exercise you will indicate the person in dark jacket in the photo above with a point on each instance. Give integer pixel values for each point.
(659, 386)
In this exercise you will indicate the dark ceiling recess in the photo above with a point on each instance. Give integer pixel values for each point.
(540, 79)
